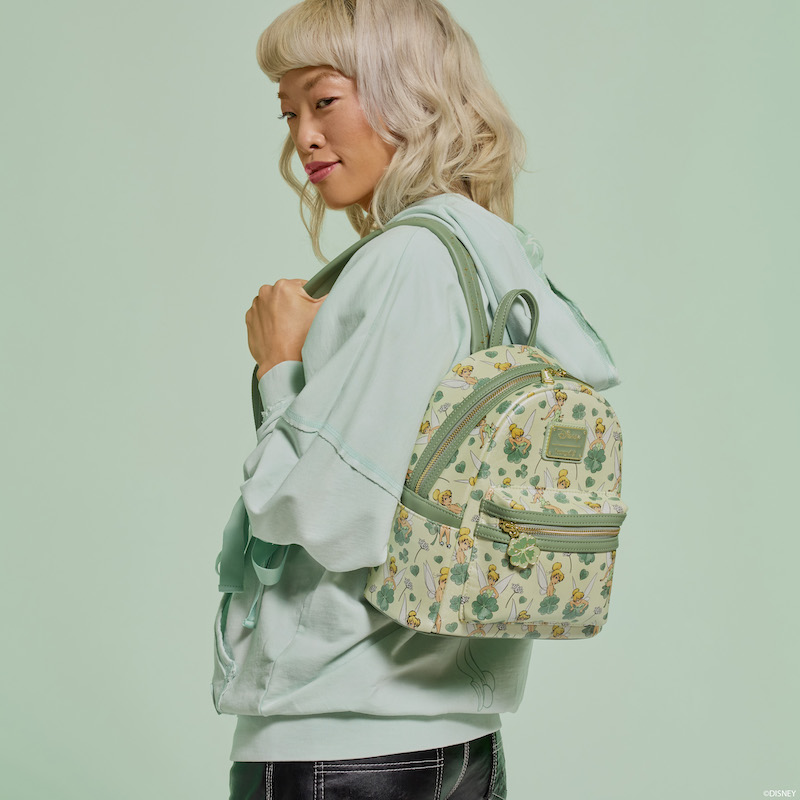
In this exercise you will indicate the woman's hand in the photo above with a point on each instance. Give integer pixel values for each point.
(278, 323)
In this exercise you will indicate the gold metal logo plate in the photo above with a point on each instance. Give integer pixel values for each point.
(565, 443)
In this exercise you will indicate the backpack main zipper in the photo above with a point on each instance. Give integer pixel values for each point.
(453, 427)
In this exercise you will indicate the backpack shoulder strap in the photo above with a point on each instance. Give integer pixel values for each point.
(323, 281)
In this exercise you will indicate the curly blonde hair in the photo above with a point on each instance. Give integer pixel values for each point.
(422, 87)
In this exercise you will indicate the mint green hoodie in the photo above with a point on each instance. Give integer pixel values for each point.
(323, 675)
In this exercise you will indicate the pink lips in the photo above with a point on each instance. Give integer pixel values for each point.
(319, 170)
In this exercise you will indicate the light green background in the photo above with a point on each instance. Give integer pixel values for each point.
(142, 209)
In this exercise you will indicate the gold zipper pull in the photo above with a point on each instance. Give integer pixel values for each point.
(510, 528)
(546, 377)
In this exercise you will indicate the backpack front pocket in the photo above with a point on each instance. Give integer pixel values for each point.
(545, 565)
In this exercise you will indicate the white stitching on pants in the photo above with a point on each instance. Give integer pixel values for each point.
(463, 770)
(316, 766)
(268, 780)
(493, 776)
(422, 762)
(439, 773)
(371, 770)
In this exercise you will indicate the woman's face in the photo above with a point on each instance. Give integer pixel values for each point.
(342, 155)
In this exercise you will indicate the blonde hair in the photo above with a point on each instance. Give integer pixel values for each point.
(422, 87)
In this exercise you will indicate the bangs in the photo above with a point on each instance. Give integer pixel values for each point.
(310, 34)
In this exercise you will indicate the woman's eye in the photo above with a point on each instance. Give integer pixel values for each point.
(325, 102)
(286, 115)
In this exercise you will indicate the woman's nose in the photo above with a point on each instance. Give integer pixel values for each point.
(309, 135)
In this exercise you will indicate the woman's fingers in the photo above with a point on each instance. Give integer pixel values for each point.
(278, 321)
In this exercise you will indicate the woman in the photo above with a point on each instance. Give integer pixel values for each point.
(391, 116)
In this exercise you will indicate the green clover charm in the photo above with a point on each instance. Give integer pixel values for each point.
(522, 551)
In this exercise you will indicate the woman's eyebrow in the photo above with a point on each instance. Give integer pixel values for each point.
(311, 82)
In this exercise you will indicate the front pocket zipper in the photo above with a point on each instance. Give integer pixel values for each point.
(527, 533)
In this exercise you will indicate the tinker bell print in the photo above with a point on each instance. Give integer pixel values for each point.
(562, 482)
(555, 399)
(518, 445)
(601, 435)
(402, 526)
(490, 583)
(428, 428)
(548, 581)
(477, 463)
(559, 632)
(502, 366)
(463, 546)
(477, 629)
(445, 499)
(409, 618)
(485, 430)
(539, 357)
(577, 604)
(390, 574)
(436, 589)
(519, 616)
(464, 379)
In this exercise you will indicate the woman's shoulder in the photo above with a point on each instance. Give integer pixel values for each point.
(405, 251)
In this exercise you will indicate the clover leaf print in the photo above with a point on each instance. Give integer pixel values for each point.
(579, 412)
(484, 606)
(594, 459)
(572, 611)
(433, 612)
(403, 555)
(589, 630)
(438, 396)
(458, 574)
(461, 466)
(515, 454)
(451, 626)
(589, 483)
(455, 603)
(549, 605)
(586, 558)
(414, 569)
(385, 597)
(504, 406)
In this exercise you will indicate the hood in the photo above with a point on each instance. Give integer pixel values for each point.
(507, 257)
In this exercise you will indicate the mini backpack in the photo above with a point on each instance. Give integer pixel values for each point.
(509, 519)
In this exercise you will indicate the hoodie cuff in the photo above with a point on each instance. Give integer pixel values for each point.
(281, 384)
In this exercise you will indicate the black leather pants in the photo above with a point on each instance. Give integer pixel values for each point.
(471, 771)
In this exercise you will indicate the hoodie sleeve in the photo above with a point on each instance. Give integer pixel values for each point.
(339, 428)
